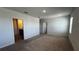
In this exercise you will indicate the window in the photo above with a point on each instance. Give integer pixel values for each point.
(71, 22)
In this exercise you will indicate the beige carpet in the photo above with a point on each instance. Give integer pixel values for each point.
(49, 43)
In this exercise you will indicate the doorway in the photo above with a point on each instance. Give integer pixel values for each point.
(44, 28)
(18, 29)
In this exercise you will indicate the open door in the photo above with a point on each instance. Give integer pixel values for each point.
(18, 29)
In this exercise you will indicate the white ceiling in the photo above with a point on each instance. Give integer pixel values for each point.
(50, 11)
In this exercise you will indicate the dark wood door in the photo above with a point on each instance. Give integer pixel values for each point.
(16, 29)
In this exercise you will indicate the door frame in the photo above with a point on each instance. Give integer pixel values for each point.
(17, 26)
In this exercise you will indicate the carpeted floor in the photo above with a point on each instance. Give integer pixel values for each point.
(42, 43)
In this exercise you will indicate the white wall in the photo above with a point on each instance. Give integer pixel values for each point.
(58, 26)
(74, 36)
(31, 26)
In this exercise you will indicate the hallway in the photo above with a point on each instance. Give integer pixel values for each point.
(41, 43)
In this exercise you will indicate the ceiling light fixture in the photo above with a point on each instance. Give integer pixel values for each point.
(44, 11)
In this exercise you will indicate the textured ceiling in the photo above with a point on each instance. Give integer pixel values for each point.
(50, 11)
